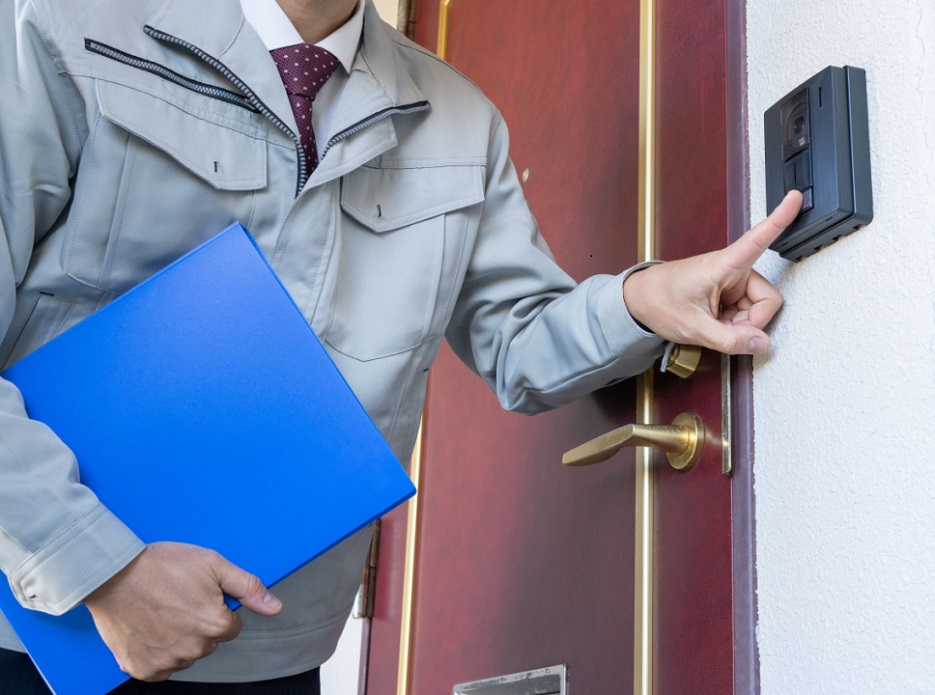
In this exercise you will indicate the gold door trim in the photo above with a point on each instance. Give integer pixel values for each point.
(444, 8)
(409, 569)
(415, 472)
(643, 570)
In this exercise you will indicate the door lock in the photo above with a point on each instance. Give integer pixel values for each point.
(682, 441)
(681, 360)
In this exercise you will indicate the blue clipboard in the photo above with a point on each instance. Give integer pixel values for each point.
(173, 397)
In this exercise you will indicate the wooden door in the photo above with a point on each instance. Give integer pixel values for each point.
(520, 563)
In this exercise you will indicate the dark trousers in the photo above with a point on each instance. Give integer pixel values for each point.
(18, 676)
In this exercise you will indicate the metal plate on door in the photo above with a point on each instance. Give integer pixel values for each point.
(543, 681)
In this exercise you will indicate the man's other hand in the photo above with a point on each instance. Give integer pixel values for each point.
(165, 610)
(715, 300)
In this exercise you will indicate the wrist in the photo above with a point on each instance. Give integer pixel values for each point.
(634, 288)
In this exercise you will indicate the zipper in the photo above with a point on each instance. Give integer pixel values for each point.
(257, 103)
(415, 107)
(251, 97)
(167, 74)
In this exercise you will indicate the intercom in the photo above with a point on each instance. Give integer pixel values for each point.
(817, 141)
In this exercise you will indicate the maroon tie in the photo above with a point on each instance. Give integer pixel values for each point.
(304, 68)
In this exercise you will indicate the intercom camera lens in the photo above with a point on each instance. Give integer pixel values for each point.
(795, 124)
(798, 126)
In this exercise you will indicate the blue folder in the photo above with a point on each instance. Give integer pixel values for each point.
(175, 398)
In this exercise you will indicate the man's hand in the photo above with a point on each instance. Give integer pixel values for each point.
(165, 610)
(715, 300)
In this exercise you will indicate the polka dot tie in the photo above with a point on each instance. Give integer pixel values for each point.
(304, 68)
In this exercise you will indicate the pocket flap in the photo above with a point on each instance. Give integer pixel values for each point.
(227, 158)
(387, 199)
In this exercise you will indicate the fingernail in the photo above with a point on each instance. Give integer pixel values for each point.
(272, 601)
(757, 345)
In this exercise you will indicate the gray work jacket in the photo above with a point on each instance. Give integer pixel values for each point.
(130, 132)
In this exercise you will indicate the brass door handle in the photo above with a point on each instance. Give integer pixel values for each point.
(682, 441)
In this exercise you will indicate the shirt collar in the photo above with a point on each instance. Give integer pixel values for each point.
(276, 31)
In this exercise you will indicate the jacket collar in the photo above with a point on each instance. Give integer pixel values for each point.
(377, 81)
(230, 40)
(376, 86)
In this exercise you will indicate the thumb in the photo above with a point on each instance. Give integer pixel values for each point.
(734, 338)
(246, 588)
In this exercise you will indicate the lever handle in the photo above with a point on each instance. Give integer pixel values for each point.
(682, 441)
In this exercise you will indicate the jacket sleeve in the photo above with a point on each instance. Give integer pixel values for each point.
(57, 542)
(538, 339)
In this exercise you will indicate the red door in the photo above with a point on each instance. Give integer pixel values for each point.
(521, 563)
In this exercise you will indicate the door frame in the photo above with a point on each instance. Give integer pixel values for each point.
(738, 379)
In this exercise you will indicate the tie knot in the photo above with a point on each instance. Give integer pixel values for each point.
(304, 68)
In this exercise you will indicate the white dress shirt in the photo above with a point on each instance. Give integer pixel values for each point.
(276, 31)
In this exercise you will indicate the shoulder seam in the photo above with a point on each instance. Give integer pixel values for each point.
(412, 46)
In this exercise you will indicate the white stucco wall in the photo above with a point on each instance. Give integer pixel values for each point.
(845, 443)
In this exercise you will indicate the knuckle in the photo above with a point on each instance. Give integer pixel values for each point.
(147, 672)
(192, 652)
(155, 677)
(225, 626)
(254, 585)
(181, 666)
(123, 665)
(727, 345)
(234, 628)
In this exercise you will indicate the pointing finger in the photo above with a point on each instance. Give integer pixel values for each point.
(744, 252)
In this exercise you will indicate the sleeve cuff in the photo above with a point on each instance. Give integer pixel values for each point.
(620, 328)
(78, 561)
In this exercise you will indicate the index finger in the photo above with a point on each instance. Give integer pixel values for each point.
(747, 249)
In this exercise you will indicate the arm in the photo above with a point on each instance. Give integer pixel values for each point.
(57, 542)
(157, 607)
(536, 337)
(541, 341)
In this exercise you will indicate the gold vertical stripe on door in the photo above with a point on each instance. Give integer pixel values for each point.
(643, 584)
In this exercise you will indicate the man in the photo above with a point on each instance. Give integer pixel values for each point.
(131, 132)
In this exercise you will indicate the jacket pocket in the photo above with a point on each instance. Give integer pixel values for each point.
(158, 176)
(200, 139)
(401, 252)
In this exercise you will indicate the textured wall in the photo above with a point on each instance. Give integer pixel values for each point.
(845, 444)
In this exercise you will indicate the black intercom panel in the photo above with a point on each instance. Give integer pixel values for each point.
(817, 140)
